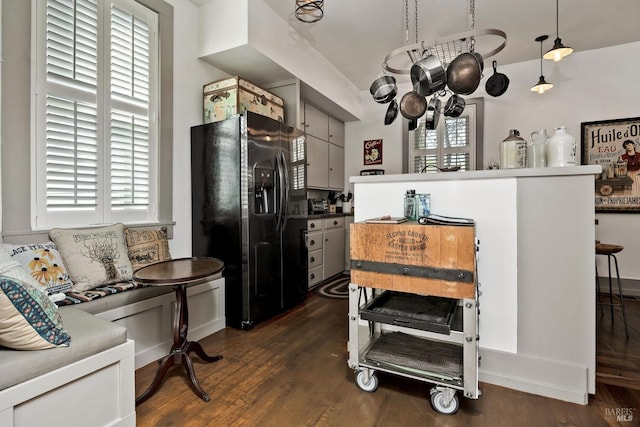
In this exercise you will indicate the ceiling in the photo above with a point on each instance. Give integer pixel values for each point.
(356, 35)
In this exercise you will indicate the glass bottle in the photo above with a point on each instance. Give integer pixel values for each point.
(537, 150)
(410, 205)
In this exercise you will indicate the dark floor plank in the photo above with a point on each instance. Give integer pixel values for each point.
(292, 371)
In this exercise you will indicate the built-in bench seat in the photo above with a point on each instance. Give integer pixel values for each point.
(90, 382)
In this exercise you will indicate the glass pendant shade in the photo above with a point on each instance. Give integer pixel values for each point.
(558, 51)
(542, 86)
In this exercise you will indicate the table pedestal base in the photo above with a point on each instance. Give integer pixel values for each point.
(175, 357)
(180, 350)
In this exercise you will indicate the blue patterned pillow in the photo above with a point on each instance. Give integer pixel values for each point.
(29, 320)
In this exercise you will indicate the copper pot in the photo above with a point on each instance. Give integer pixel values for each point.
(464, 74)
(413, 105)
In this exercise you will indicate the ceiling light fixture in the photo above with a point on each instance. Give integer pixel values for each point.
(309, 11)
(542, 86)
(559, 50)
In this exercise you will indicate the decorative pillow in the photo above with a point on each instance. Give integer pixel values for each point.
(11, 268)
(93, 256)
(147, 246)
(44, 263)
(28, 319)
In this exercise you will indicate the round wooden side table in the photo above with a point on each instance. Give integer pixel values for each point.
(179, 273)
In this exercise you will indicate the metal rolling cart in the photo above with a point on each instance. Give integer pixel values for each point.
(415, 287)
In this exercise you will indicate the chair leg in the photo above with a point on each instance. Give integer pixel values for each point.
(610, 288)
(624, 316)
(598, 291)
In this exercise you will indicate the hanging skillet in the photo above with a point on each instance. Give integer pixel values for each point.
(392, 112)
(413, 105)
(498, 83)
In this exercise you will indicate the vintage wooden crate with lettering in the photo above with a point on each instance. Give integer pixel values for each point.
(235, 95)
(434, 260)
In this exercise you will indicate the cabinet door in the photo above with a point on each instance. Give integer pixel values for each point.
(336, 167)
(316, 122)
(317, 163)
(333, 247)
(336, 131)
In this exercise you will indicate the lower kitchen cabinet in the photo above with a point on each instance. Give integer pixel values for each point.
(325, 245)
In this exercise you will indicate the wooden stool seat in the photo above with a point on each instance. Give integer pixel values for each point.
(607, 249)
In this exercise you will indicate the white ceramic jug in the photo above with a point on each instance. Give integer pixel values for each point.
(561, 149)
(537, 149)
(513, 151)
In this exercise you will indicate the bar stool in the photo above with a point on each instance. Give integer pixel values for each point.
(610, 251)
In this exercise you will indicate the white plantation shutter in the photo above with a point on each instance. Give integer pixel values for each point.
(96, 90)
(451, 144)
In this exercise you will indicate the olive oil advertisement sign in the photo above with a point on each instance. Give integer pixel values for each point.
(614, 145)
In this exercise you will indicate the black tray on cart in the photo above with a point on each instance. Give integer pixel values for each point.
(427, 313)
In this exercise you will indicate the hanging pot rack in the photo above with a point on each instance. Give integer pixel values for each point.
(445, 48)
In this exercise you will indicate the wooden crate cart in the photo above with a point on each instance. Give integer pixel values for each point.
(415, 286)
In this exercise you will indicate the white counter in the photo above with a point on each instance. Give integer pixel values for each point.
(535, 266)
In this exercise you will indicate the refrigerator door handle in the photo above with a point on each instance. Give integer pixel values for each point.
(285, 209)
(281, 192)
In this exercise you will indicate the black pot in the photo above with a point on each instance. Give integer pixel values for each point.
(392, 112)
(498, 83)
(454, 106)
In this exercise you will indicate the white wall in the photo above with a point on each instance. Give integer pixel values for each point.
(592, 85)
(190, 74)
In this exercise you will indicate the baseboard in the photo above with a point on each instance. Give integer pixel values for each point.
(543, 377)
(630, 287)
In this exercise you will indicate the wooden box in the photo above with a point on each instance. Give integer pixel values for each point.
(434, 260)
(235, 95)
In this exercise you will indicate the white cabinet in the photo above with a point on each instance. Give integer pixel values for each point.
(325, 245)
(317, 163)
(336, 167)
(325, 149)
(316, 122)
(336, 131)
(333, 247)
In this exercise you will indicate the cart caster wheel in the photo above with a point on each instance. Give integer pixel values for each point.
(369, 386)
(437, 401)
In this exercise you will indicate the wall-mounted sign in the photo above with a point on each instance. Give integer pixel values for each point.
(615, 145)
(373, 152)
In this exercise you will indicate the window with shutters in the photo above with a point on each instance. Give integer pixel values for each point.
(452, 144)
(96, 109)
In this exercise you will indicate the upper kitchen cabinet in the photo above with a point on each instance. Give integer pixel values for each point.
(336, 167)
(317, 163)
(336, 131)
(316, 122)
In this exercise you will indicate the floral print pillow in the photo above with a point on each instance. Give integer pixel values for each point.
(44, 263)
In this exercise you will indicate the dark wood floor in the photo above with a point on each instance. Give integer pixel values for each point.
(292, 371)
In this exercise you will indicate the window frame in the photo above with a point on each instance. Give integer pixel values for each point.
(475, 111)
(162, 213)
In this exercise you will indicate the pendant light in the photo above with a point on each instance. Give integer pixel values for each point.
(559, 50)
(542, 86)
(309, 11)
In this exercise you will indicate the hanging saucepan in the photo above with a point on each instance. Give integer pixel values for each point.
(433, 113)
(454, 106)
(464, 74)
(383, 89)
(498, 83)
(392, 112)
(428, 75)
(413, 105)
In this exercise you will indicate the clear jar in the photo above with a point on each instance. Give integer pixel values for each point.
(423, 205)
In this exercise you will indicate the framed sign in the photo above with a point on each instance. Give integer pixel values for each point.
(615, 145)
(373, 152)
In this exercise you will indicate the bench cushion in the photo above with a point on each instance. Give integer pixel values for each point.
(89, 335)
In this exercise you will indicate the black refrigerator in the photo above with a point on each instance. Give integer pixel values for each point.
(249, 209)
